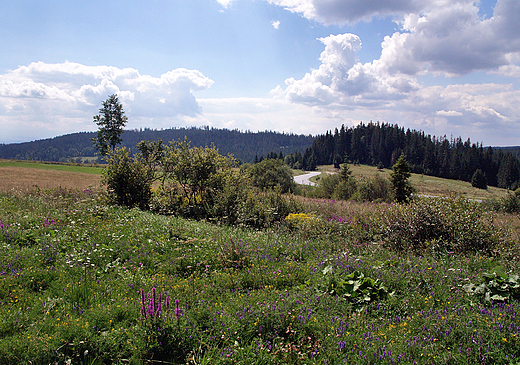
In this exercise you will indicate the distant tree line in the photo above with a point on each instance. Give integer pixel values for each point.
(243, 145)
(381, 144)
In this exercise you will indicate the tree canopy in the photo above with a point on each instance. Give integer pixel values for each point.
(110, 120)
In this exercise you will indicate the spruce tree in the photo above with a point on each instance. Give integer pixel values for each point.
(479, 180)
(399, 178)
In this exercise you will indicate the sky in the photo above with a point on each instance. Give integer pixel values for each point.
(445, 67)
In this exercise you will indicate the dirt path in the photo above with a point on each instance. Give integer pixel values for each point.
(22, 178)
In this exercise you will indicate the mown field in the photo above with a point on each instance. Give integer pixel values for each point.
(23, 175)
(84, 283)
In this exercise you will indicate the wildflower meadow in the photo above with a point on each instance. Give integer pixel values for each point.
(431, 282)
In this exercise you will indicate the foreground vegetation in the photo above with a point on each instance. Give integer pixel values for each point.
(432, 282)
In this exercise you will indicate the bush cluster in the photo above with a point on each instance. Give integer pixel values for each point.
(374, 189)
(509, 203)
(451, 225)
(195, 182)
(128, 179)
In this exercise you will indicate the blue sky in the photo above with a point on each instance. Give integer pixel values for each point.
(447, 67)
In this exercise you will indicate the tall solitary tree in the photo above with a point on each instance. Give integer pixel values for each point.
(399, 178)
(110, 120)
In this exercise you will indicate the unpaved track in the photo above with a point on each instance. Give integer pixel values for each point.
(23, 178)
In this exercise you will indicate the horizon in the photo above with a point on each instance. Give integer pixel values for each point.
(292, 66)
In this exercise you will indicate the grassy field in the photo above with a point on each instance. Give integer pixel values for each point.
(22, 174)
(93, 169)
(340, 282)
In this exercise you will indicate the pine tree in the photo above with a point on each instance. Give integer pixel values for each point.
(399, 178)
(479, 180)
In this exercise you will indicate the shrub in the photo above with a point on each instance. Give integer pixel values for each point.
(327, 185)
(345, 190)
(227, 201)
(263, 208)
(509, 203)
(442, 225)
(194, 169)
(375, 189)
(271, 173)
(128, 180)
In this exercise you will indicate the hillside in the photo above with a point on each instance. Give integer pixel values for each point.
(381, 144)
(243, 145)
(427, 185)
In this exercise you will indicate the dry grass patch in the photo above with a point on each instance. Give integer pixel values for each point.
(24, 178)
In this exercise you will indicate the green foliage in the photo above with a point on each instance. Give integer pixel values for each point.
(345, 173)
(509, 203)
(399, 178)
(442, 226)
(128, 180)
(110, 120)
(496, 286)
(228, 202)
(196, 169)
(345, 190)
(478, 180)
(264, 208)
(270, 173)
(327, 185)
(199, 183)
(375, 189)
(355, 287)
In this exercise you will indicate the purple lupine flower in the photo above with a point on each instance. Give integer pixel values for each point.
(177, 310)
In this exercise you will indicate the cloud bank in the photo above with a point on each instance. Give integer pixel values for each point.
(439, 36)
(46, 98)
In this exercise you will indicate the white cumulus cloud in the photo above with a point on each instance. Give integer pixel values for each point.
(342, 80)
(350, 11)
(45, 98)
(225, 3)
(439, 36)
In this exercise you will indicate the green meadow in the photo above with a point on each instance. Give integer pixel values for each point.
(55, 166)
(432, 282)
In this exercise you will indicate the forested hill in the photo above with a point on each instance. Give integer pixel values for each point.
(382, 144)
(243, 145)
